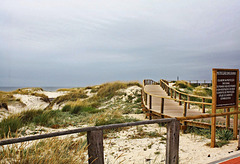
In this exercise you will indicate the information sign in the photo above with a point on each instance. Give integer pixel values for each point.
(226, 88)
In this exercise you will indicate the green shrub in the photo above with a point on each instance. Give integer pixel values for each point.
(27, 116)
(66, 108)
(224, 134)
(10, 125)
(199, 131)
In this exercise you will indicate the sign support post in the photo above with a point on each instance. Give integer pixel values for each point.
(225, 93)
(235, 125)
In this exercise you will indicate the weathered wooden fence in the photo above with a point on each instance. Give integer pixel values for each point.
(186, 100)
(179, 96)
(95, 138)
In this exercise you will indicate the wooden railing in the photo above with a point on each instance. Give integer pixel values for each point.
(150, 82)
(178, 96)
(95, 139)
(198, 82)
(147, 97)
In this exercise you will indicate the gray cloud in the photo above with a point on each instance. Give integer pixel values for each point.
(78, 43)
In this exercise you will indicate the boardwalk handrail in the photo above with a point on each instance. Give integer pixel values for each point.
(95, 138)
(149, 82)
(167, 89)
(170, 91)
(182, 93)
(186, 103)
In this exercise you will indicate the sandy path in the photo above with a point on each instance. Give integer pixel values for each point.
(192, 148)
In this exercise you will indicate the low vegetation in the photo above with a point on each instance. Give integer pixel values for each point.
(73, 95)
(106, 104)
(222, 135)
(78, 110)
(52, 150)
(6, 97)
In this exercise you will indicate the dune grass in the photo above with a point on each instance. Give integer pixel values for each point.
(184, 84)
(222, 135)
(31, 91)
(47, 118)
(73, 95)
(202, 91)
(113, 117)
(6, 97)
(108, 90)
(53, 150)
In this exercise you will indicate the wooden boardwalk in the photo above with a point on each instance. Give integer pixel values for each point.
(172, 109)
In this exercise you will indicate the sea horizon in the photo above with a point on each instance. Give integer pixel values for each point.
(8, 89)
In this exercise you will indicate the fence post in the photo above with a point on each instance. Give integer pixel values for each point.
(185, 109)
(150, 107)
(228, 119)
(172, 156)
(175, 95)
(238, 148)
(188, 98)
(162, 107)
(146, 99)
(180, 103)
(95, 148)
(203, 105)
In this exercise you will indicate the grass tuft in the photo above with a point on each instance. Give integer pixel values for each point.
(52, 150)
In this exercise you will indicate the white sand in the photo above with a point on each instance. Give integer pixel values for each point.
(192, 148)
(31, 102)
(52, 94)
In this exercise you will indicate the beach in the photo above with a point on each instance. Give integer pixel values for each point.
(127, 146)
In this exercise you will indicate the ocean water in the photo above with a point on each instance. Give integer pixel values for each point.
(8, 89)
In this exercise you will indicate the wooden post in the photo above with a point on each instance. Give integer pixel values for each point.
(235, 124)
(238, 148)
(180, 103)
(150, 101)
(162, 107)
(185, 109)
(150, 107)
(171, 91)
(172, 152)
(188, 98)
(213, 122)
(228, 119)
(235, 121)
(150, 115)
(146, 99)
(175, 95)
(203, 105)
(95, 148)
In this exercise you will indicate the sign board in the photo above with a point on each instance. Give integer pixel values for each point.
(225, 87)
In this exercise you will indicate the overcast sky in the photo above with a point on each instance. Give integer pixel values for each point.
(81, 43)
